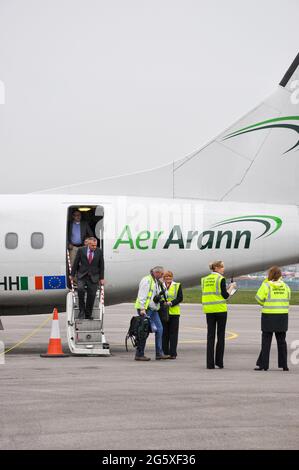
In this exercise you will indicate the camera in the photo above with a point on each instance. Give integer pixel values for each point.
(159, 298)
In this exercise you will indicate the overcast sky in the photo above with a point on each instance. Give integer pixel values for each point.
(100, 88)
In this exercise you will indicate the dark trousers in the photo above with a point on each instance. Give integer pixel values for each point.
(263, 359)
(140, 347)
(170, 335)
(215, 320)
(83, 283)
(141, 341)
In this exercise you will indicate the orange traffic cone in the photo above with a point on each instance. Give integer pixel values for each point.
(55, 347)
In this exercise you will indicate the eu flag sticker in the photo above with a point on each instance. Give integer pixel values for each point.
(54, 282)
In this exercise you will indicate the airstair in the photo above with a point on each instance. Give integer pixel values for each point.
(86, 337)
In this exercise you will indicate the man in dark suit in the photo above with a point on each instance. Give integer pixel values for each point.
(89, 267)
(78, 230)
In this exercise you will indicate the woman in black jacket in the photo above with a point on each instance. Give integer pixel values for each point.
(170, 315)
(274, 296)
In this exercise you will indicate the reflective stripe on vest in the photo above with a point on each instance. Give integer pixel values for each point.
(149, 295)
(278, 299)
(212, 300)
(172, 294)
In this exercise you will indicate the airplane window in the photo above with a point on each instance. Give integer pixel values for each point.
(37, 240)
(11, 240)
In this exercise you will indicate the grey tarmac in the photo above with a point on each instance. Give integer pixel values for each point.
(118, 403)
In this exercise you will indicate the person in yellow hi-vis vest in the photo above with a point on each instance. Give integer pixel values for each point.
(174, 295)
(274, 296)
(147, 305)
(214, 295)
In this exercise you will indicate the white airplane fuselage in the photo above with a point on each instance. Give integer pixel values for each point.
(182, 235)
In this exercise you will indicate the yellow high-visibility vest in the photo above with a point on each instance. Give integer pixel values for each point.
(172, 293)
(274, 297)
(212, 300)
(149, 295)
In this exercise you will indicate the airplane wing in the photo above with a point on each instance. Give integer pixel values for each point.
(254, 160)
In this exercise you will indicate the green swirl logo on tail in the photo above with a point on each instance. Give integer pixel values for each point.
(269, 124)
(271, 223)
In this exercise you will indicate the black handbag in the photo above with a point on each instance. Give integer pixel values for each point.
(164, 308)
(164, 313)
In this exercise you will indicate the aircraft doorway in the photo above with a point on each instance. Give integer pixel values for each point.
(85, 333)
(83, 221)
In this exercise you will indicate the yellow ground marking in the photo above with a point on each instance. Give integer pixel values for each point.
(229, 336)
(33, 332)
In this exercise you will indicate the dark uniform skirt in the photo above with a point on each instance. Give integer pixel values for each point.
(276, 322)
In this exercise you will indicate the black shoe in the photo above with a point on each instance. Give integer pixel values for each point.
(142, 358)
(210, 367)
(260, 368)
(286, 369)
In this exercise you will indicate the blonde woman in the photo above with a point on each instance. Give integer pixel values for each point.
(214, 295)
(174, 295)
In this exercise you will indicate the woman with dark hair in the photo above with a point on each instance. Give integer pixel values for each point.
(274, 296)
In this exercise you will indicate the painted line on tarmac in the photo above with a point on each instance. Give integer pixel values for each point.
(230, 335)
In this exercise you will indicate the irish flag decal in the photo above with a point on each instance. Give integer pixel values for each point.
(31, 283)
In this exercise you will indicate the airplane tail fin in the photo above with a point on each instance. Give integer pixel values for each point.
(254, 160)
